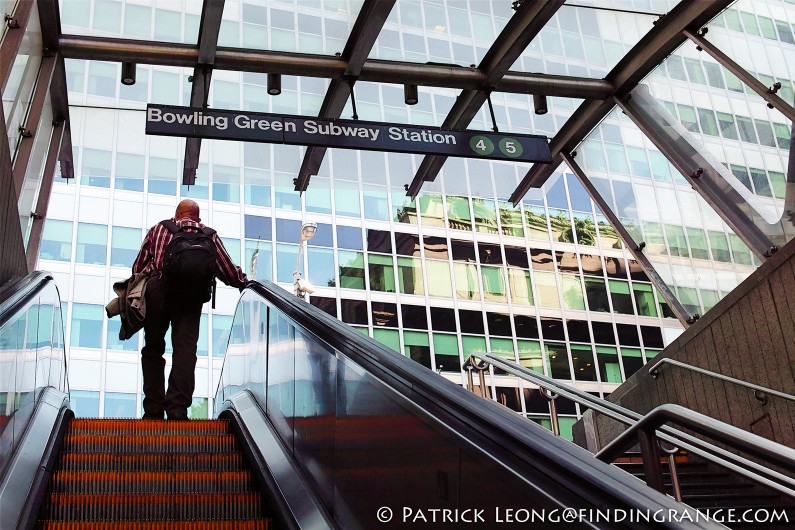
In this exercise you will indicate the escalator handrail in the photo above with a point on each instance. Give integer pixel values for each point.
(510, 437)
(702, 448)
(15, 295)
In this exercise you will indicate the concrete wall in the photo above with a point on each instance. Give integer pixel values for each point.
(749, 335)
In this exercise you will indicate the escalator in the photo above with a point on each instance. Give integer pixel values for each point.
(318, 427)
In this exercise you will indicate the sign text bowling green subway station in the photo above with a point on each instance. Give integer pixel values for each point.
(348, 134)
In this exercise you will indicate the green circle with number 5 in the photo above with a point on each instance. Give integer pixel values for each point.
(481, 145)
(510, 147)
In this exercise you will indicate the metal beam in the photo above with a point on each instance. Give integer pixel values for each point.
(209, 27)
(43, 200)
(650, 51)
(12, 40)
(764, 92)
(12, 257)
(30, 130)
(522, 28)
(365, 31)
(681, 313)
(707, 176)
(308, 65)
(60, 114)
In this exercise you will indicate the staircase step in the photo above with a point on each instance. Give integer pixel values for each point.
(143, 427)
(155, 443)
(153, 507)
(263, 524)
(122, 463)
(723, 486)
(99, 482)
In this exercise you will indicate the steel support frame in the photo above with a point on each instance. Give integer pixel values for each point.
(209, 27)
(43, 200)
(698, 168)
(522, 28)
(666, 36)
(309, 65)
(764, 92)
(12, 40)
(681, 313)
(364, 33)
(12, 257)
(31, 128)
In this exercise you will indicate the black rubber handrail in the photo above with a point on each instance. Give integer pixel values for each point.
(514, 441)
(15, 295)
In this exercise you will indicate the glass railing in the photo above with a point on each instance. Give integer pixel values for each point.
(371, 428)
(32, 354)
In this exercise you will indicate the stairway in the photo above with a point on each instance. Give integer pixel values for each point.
(708, 488)
(151, 474)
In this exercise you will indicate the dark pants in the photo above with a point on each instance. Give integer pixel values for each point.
(184, 319)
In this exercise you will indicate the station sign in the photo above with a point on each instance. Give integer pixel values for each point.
(167, 120)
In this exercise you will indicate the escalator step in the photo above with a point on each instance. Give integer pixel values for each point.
(99, 482)
(157, 525)
(152, 507)
(143, 427)
(122, 463)
(180, 443)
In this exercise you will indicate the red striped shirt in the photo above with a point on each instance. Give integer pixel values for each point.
(150, 257)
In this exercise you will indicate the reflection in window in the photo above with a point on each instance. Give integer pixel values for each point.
(410, 276)
(632, 359)
(376, 205)
(560, 226)
(596, 292)
(529, 352)
(583, 362)
(120, 405)
(162, 176)
(351, 270)
(86, 326)
(511, 220)
(125, 243)
(354, 312)
(96, 168)
(113, 342)
(56, 240)
(485, 215)
(382, 273)
(572, 292)
(558, 359)
(432, 210)
(547, 289)
(439, 278)
(445, 353)
(129, 172)
(286, 260)
(644, 300)
(320, 267)
(417, 347)
(609, 366)
(536, 220)
(520, 286)
(92, 241)
(222, 326)
(719, 246)
(622, 301)
(493, 283)
(84, 403)
(258, 262)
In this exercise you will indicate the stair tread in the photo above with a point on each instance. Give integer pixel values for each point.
(124, 462)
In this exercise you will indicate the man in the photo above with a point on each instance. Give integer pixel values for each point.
(165, 304)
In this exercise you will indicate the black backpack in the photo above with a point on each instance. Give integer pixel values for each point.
(189, 263)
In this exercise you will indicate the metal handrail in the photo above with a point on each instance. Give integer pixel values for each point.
(654, 371)
(710, 452)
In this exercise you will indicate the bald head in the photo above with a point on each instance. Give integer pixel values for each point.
(187, 208)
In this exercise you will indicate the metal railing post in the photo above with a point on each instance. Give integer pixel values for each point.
(651, 459)
(553, 409)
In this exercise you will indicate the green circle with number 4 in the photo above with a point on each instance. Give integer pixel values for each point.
(481, 145)
(510, 147)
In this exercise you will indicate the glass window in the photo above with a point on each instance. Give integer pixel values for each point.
(727, 127)
(257, 227)
(256, 187)
(226, 184)
(96, 168)
(558, 360)
(376, 205)
(202, 345)
(124, 246)
(129, 172)
(782, 135)
(222, 326)
(644, 300)
(632, 359)
(547, 289)
(439, 278)
(84, 403)
(102, 79)
(56, 240)
(676, 240)
(168, 25)
(410, 277)
(622, 301)
(467, 286)
(687, 116)
(761, 184)
(694, 71)
(320, 267)
(119, 405)
(572, 292)
(443, 319)
(288, 230)
(162, 176)
(596, 292)
(742, 254)
(520, 286)
(583, 362)
(529, 352)
(706, 118)
(259, 259)
(349, 237)
(536, 220)
(511, 220)
(445, 352)
(92, 242)
(560, 226)
(351, 270)
(779, 183)
(714, 75)
(719, 246)
(86, 326)
(382, 273)
(493, 284)
(485, 215)
(354, 312)
(286, 260)
(388, 337)
(417, 346)
(458, 216)
(432, 210)
(609, 366)
(113, 342)
(746, 128)
(346, 198)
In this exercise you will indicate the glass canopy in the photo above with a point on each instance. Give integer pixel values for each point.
(673, 134)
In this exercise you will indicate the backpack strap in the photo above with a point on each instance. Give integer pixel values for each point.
(170, 225)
